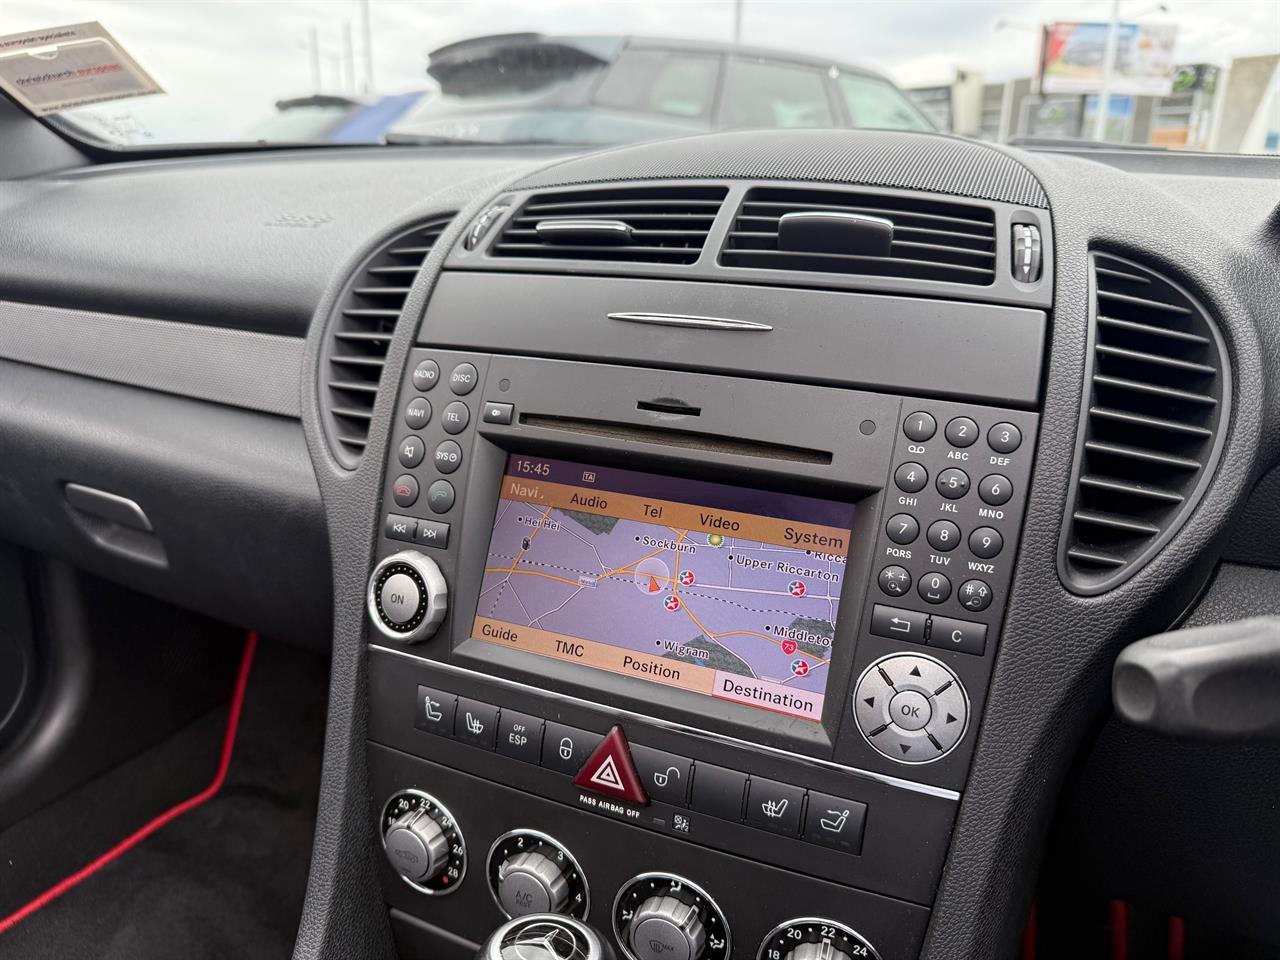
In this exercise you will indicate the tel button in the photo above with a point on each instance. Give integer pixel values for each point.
(567, 748)
(455, 417)
(835, 822)
(665, 775)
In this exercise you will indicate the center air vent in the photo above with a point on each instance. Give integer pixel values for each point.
(360, 333)
(1155, 404)
(666, 224)
(931, 239)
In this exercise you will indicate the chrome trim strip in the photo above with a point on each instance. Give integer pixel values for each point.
(890, 781)
(700, 323)
(837, 215)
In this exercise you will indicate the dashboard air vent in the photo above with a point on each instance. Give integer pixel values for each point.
(361, 330)
(667, 224)
(931, 239)
(1157, 397)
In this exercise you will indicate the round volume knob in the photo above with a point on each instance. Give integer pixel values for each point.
(813, 938)
(661, 917)
(423, 843)
(530, 872)
(408, 596)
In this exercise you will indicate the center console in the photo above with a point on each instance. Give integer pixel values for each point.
(690, 652)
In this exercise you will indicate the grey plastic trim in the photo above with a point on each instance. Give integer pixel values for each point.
(889, 781)
(238, 368)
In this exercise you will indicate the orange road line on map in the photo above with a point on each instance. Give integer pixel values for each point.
(531, 573)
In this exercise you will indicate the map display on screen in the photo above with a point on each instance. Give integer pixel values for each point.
(726, 591)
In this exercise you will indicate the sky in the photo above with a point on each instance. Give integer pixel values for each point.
(224, 63)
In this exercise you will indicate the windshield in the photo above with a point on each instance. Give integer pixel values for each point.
(1191, 74)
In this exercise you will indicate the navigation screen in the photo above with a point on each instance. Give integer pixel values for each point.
(722, 590)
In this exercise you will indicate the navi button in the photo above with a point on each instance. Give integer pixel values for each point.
(611, 771)
(566, 748)
(774, 806)
(665, 776)
(835, 822)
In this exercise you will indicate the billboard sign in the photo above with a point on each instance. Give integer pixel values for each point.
(1071, 60)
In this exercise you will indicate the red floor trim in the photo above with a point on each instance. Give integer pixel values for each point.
(1028, 950)
(1119, 930)
(1177, 938)
(135, 838)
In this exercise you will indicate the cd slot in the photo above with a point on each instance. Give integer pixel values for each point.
(671, 437)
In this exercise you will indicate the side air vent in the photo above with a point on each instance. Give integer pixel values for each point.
(1156, 400)
(929, 239)
(360, 333)
(666, 224)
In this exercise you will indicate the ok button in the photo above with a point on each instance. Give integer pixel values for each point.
(910, 710)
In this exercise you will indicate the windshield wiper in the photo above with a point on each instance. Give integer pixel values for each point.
(401, 138)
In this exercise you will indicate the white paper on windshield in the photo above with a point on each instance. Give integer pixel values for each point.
(72, 66)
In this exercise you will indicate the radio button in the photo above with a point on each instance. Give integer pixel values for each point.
(448, 456)
(411, 450)
(565, 749)
(717, 792)
(896, 624)
(463, 379)
(455, 417)
(902, 528)
(432, 533)
(440, 496)
(418, 413)
(426, 374)
(774, 806)
(405, 490)
(400, 528)
(476, 723)
(835, 822)
(920, 426)
(665, 776)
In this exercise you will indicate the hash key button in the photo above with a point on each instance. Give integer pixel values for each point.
(774, 806)
(835, 822)
(898, 624)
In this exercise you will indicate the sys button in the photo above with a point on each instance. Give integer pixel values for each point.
(898, 624)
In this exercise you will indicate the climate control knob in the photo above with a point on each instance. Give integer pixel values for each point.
(407, 597)
(663, 917)
(530, 872)
(423, 843)
(812, 938)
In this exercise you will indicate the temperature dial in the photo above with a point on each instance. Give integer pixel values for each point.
(423, 842)
(530, 872)
(658, 916)
(811, 938)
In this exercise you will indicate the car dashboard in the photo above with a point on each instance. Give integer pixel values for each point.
(723, 541)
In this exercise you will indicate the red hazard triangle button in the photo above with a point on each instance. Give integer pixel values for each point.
(611, 771)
